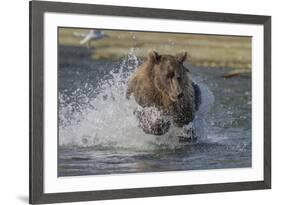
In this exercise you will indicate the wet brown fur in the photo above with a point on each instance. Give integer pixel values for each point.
(151, 86)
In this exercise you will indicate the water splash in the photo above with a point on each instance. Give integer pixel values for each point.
(101, 116)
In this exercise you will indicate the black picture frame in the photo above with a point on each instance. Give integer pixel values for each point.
(37, 10)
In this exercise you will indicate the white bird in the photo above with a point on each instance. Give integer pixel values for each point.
(89, 36)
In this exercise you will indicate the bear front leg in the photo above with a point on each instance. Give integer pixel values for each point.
(152, 122)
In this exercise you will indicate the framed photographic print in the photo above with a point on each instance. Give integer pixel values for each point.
(137, 102)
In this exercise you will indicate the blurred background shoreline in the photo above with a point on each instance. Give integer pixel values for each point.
(210, 51)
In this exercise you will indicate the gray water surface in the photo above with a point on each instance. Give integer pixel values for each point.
(225, 142)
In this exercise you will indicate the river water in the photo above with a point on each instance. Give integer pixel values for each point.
(98, 133)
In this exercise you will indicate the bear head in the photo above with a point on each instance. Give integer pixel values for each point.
(169, 74)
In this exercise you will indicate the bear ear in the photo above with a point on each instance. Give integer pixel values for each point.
(181, 57)
(153, 57)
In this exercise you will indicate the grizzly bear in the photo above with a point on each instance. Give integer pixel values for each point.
(162, 82)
